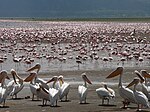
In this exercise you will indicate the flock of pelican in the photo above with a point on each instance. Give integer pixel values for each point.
(56, 88)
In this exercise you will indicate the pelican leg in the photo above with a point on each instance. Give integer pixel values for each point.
(107, 101)
(43, 102)
(32, 97)
(56, 103)
(15, 96)
(85, 100)
(102, 101)
(66, 98)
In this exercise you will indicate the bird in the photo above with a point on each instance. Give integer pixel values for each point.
(16, 83)
(83, 89)
(53, 91)
(37, 80)
(64, 88)
(140, 97)
(125, 93)
(3, 87)
(145, 87)
(33, 86)
(105, 93)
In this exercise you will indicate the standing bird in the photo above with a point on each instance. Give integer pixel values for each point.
(53, 91)
(33, 86)
(82, 89)
(16, 83)
(124, 92)
(140, 97)
(105, 93)
(36, 79)
(145, 87)
(64, 88)
(3, 87)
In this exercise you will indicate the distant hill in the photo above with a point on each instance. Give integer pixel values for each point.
(75, 8)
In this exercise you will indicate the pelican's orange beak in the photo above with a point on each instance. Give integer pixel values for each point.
(36, 67)
(54, 78)
(30, 77)
(139, 75)
(117, 72)
(145, 74)
(85, 78)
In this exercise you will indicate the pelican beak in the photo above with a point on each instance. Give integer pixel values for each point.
(51, 80)
(117, 72)
(131, 84)
(37, 66)
(30, 77)
(140, 76)
(145, 74)
(85, 78)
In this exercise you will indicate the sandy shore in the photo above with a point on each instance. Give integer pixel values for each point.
(73, 77)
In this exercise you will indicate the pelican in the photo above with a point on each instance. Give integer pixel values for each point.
(139, 96)
(64, 88)
(145, 87)
(16, 83)
(124, 92)
(33, 86)
(53, 91)
(37, 80)
(82, 89)
(3, 87)
(105, 93)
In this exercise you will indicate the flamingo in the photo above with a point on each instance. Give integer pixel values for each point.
(82, 89)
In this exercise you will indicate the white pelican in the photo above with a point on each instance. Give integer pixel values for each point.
(3, 87)
(145, 87)
(16, 83)
(33, 86)
(53, 91)
(105, 93)
(82, 89)
(64, 88)
(140, 97)
(36, 80)
(124, 92)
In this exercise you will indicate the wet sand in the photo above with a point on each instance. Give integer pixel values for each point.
(73, 77)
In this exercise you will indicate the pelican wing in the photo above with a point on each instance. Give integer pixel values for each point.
(82, 90)
(53, 95)
(127, 94)
(102, 92)
(141, 98)
(64, 90)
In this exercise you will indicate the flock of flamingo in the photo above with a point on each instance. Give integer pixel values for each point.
(74, 45)
(79, 42)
